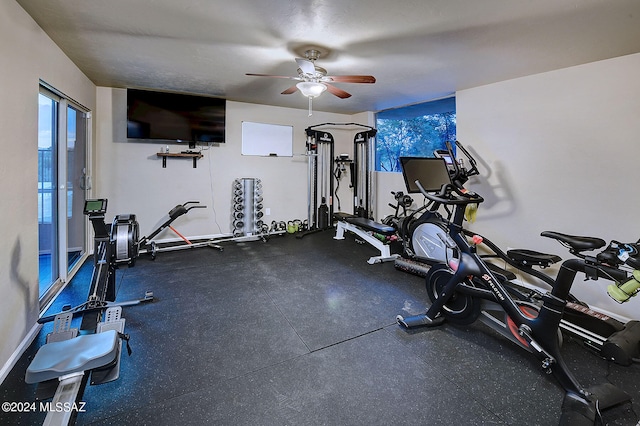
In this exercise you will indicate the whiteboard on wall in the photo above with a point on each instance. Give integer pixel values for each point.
(267, 139)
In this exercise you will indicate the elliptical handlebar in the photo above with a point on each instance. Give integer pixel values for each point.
(473, 171)
(451, 195)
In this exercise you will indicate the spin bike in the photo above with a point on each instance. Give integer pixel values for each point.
(606, 336)
(463, 286)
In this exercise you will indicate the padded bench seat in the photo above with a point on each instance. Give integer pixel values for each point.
(363, 228)
(370, 225)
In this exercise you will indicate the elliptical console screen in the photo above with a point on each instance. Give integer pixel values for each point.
(431, 172)
(98, 206)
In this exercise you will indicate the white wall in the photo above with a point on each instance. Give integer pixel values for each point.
(131, 176)
(558, 151)
(29, 55)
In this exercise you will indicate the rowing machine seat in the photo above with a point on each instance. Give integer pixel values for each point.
(86, 352)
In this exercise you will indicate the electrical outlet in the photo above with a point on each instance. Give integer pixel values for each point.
(267, 211)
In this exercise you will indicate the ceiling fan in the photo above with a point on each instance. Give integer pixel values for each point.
(313, 80)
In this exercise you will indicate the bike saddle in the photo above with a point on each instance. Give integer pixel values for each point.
(576, 243)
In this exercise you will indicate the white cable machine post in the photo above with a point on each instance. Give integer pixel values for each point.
(311, 166)
(320, 180)
(364, 179)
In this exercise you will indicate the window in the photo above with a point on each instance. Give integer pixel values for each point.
(415, 131)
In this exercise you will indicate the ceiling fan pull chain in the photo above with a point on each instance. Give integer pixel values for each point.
(310, 102)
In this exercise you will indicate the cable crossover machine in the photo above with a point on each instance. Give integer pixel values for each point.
(322, 191)
(321, 183)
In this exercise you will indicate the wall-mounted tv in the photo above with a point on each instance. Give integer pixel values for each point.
(164, 116)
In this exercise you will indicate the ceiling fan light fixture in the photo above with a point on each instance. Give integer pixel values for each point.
(311, 89)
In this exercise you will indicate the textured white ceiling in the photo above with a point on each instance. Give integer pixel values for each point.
(418, 50)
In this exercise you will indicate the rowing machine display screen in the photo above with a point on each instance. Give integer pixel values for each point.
(431, 172)
(95, 206)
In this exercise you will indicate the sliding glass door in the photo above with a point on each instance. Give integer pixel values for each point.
(76, 184)
(62, 155)
(48, 113)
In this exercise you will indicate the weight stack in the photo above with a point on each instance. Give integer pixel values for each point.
(247, 207)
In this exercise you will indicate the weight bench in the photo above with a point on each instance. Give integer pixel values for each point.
(67, 356)
(365, 228)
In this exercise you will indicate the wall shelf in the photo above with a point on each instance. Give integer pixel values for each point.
(194, 155)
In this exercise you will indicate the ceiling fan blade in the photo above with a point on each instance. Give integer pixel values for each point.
(290, 90)
(273, 76)
(306, 66)
(337, 91)
(351, 78)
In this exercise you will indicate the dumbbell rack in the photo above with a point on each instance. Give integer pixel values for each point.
(247, 207)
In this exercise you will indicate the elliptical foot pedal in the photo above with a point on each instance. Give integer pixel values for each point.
(608, 395)
(419, 321)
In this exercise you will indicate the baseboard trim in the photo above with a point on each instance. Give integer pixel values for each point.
(11, 362)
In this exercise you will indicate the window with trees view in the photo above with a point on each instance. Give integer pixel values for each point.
(413, 131)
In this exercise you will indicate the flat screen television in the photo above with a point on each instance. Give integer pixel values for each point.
(164, 116)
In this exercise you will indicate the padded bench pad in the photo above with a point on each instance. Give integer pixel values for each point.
(370, 225)
(81, 353)
(342, 215)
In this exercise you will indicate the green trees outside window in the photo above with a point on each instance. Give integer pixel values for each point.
(413, 131)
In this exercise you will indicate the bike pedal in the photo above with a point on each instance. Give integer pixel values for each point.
(419, 321)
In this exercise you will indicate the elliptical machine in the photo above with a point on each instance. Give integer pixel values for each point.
(419, 230)
(465, 287)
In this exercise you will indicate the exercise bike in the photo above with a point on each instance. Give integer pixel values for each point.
(608, 337)
(465, 289)
(423, 247)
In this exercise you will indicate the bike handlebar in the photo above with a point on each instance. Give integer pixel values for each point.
(451, 195)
